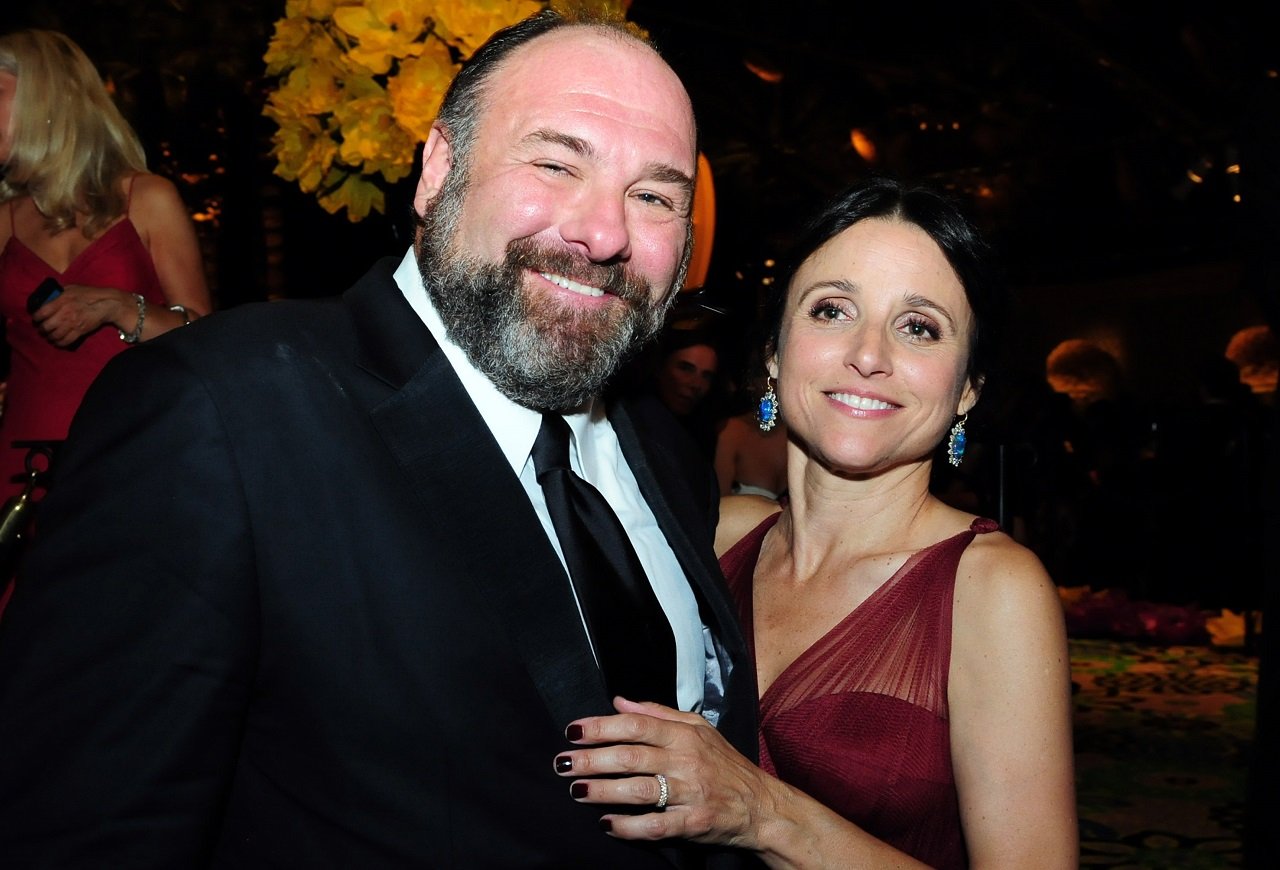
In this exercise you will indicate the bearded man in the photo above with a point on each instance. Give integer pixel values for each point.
(303, 594)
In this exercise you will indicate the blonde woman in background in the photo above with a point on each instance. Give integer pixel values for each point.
(77, 205)
(96, 253)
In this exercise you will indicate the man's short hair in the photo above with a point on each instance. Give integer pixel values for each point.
(463, 103)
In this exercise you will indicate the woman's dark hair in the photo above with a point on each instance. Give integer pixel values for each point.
(942, 220)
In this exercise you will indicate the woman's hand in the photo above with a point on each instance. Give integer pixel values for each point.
(80, 309)
(714, 794)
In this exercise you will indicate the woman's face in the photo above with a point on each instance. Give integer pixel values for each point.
(873, 349)
(686, 377)
(8, 87)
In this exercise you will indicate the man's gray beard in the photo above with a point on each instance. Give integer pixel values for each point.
(537, 351)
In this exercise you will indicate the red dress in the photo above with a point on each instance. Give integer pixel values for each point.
(47, 383)
(859, 720)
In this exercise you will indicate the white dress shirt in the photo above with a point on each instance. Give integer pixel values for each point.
(595, 455)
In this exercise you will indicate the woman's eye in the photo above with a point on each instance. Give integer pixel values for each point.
(827, 311)
(917, 328)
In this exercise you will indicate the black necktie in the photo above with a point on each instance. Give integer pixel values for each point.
(630, 633)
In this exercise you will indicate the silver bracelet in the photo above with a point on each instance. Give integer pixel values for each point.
(182, 309)
(136, 336)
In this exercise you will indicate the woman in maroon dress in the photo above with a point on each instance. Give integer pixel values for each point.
(77, 210)
(912, 660)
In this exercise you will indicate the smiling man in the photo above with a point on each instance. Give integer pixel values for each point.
(303, 593)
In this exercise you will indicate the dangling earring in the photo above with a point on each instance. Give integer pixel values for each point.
(767, 413)
(955, 444)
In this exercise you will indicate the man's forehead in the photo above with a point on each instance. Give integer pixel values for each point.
(585, 64)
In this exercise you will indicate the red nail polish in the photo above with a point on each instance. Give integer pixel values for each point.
(578, 790)
(564, 764)
(573, 732)
(606, 826)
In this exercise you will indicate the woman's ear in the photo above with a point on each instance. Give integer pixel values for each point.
(969, 397)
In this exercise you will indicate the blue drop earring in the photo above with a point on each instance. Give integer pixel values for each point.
(767, 412)
(956, 442)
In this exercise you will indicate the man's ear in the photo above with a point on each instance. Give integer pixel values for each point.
(437, 160)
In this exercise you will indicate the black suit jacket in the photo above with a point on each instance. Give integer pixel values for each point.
(287, 605)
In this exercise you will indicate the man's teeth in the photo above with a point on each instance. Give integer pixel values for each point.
(862, 403)
(572, 286)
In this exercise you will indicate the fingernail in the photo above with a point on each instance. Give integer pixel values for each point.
(606, 825)
(564, 764)
(573, 732)
(578, 790)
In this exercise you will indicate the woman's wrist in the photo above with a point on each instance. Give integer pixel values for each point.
(135, 333)
(790, 826)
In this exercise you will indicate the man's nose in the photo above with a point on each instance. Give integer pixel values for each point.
(597, 226)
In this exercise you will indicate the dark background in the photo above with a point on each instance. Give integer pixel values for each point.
(1069, 130)
(1067, 127)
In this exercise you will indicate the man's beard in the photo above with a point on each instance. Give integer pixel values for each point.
(538, 351)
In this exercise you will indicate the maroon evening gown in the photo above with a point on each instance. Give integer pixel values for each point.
(859, 720)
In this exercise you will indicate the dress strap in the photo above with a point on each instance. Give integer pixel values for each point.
(128, 194)
(982, 525)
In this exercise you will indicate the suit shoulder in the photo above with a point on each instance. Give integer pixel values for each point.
(254, 333)
(658, 427)
(322, 320)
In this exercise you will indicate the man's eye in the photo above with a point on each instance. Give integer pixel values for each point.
(654, 199)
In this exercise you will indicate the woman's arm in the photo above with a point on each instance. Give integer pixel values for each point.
(160, 215)
(161, 218)
(1010, 710)
(714, 794)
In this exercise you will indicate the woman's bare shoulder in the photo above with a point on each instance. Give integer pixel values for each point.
(1000, 582)
(148, 192)
(739, 514)
(997, 556)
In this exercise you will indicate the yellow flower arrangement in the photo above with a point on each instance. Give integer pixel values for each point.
(359, 83)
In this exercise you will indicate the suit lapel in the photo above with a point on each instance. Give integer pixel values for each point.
(664, 481)
(659, 476)
(448, 455)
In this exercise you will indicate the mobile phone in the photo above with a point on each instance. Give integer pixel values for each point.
(47, 291)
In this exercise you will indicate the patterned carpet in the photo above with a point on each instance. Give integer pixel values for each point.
(1162, 736)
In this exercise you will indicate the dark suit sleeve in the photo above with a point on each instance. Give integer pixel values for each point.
(127, 653)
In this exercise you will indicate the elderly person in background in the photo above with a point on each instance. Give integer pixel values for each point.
(96, 253)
